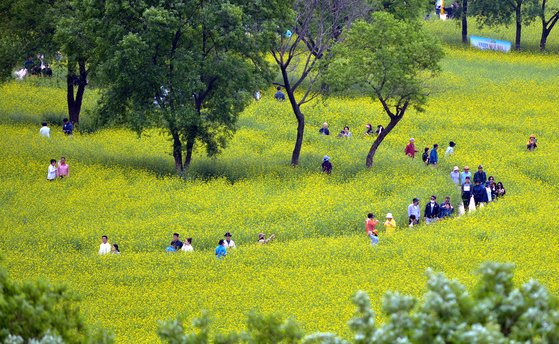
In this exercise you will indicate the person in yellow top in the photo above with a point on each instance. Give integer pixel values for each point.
(389, 224)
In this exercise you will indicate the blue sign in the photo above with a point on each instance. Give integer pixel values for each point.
(484, 43)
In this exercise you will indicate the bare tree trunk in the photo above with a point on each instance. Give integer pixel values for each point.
(72, 80)
(464, 21)
(189, 147)
(177, 151)
(298, 115)
(393, 121)
(543, 40)
(518, 27)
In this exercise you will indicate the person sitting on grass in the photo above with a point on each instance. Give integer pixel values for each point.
(532, 143)
(45, 130)
(63, 168)
(187, 245)
(262, 238)
(389, 224)
(67, 128)
(345, 132)
(324, 130)
(326, 165)
(379, 130)
(114, 249)
(52, 170)
(412, 220)
(446, 209)
(176, 243)
(279, 94)
(105, 247)
(368, 129)
(220, 250)
(425, 156)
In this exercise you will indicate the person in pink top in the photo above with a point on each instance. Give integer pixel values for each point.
(410, 149)
(63, 168)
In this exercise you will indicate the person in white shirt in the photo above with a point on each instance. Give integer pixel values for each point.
(413, 209)
(105, 247)
(187, 246)
(52, 171)
(450, 148)
(44, 131)
(228, 242)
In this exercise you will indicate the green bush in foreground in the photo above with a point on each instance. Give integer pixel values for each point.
(495, 312)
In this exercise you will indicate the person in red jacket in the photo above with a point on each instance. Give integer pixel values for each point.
(410, 149)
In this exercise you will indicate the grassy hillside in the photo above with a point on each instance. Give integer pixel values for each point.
(122, 186)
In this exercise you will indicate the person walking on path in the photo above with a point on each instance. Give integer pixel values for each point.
(467, 190)
(425, 156)
(480, 195)
(446, 208)
(465, 174)
(326, 165)
(410, 149)
(500, 190)
(413, 209)
(455, 175)
(434, 155)
(480, 175)
(389, 224)
(431, 210)
(45, 130)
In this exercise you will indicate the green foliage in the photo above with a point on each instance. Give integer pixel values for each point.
(406, 10)
(33, 310)
(496, 313)
(388, 59)
(503, 12)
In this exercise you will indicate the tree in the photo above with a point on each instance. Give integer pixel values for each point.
(30, 27)
(316, 28)
(547, 24)
(389, 60)
(464, 18)
(189, 67)
(495, 312)
(503, 12)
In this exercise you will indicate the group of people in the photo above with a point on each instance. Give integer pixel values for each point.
(186, 246)
(67, 128)
(58, 170)
(428, 157)
(345, 132)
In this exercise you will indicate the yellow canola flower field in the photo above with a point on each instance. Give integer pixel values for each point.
(123, 186)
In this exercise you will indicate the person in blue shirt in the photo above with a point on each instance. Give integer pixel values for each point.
(279, 95)
(67, 128)
(434, 156)
(220, 250)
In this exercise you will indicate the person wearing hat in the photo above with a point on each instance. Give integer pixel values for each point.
(413, 209)
(465, 174)
(324, 130)
(389, 224)
(480, 175)
(326, 165)
(532, 143)
(455, 175)
(228, 242)
(410, 149)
